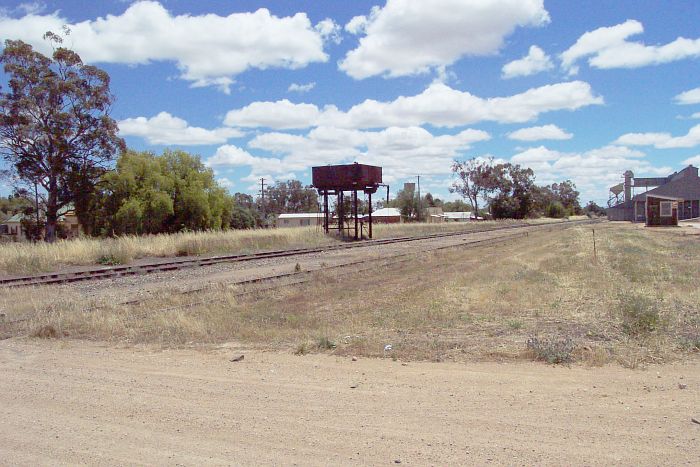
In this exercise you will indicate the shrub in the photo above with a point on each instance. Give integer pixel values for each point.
(325, 343)
(552, 350)
(640, 314)
(302, 349)
(555, 210)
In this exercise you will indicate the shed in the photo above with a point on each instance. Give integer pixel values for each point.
(460, 216)
(300, 219)
(384, 216)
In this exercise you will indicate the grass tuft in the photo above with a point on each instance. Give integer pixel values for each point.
(552, 350)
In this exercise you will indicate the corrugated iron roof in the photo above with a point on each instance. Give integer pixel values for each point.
(386, 212)
(301, 215)
(457, 214)
(687, 187)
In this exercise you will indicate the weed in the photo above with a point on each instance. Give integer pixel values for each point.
(515, 324)
(640, 314)
(45, 332)
(552, 350)
(325, 343)
(108, 260)
(302, 349)
(297, 267)
(690, 343)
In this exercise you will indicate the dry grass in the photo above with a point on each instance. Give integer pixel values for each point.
(27, 258)
(471, 304)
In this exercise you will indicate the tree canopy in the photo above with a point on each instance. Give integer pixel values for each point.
(510, 190)
(290, 197)
(55, 128)
(148, 194)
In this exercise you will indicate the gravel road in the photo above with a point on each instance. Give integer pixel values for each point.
(72, 402)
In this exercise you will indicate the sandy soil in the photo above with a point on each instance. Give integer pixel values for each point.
(80, 403)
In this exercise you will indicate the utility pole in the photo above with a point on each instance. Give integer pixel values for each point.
(419, 200)
(262, 201)
(36, 207)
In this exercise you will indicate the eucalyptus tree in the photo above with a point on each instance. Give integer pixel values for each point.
(55, 126)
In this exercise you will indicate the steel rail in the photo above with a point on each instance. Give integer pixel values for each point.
(107, 272)
(305, 276)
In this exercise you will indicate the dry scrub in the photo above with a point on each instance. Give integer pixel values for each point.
(16, 258)
(637, 304)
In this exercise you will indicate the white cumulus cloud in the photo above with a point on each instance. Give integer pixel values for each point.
(688, 97)
(662, 140)
(407, 37)
(280, 115)
(593, 171)
(166, 129)
(439, 105)
(301, 88)
(534, 62)
(609, 47)
(401, 151)
(209, 50)
(695, 160)
(537, 133)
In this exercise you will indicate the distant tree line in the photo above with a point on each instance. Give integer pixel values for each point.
(509, 191)
(60, 145)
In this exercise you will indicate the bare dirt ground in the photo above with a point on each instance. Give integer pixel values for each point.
(75, 402)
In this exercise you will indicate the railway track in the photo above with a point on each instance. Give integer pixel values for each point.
(289, 279)
(108, 272)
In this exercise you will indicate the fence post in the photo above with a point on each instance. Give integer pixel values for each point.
(595, 252)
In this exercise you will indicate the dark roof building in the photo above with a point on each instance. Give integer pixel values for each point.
(677, 197)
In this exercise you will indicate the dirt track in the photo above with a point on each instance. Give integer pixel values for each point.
(74, 402)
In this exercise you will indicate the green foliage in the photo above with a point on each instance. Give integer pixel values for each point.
(509, 189)
(477, 179)
(555, 210)
(639, 313)
(592, 209)
(552, 350)
(55, 129)
(564, 193)
(242, 217)
(14, 205)
(149, 194)
(456, 206)
(290, 197)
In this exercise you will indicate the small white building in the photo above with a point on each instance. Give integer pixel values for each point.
(300, 219)
(456, 216)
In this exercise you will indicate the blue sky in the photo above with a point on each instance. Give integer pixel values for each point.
(575, 90)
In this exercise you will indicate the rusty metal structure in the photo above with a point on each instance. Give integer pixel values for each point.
(336, 180)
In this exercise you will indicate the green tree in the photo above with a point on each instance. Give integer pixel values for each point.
(477, 179)
(456, 206)
(14, 204)
(566, 193)
(513, 197)
(593, 209)
(148, 194)
(55, 126)
(290, 197)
